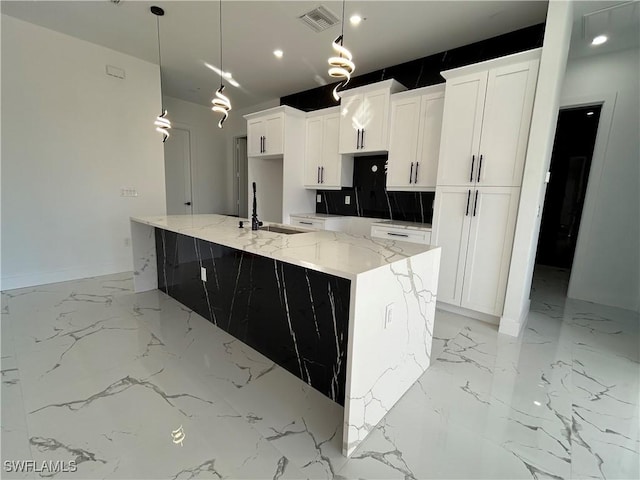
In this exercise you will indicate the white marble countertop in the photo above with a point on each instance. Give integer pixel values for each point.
(403, 224)
(336, 253)
(375, 221)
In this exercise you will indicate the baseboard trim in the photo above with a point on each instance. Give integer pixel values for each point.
(513, 327)
(65, 275)
(465, 312)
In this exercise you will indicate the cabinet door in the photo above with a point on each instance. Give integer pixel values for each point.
(489, 253)
(451, 221)
(351, 123)
(505, 124)
(331, 173)
(255, 132)
(403, 143)
(274, 135)
(461, 128)
(429, 141)
(374, 135)
(313, 151)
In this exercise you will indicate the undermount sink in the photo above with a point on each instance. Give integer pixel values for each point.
(279, 229)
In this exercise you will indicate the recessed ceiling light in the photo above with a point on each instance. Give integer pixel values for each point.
(589, 114)
(599, 40)
(537, 403)
(355, 19)
(278, 53)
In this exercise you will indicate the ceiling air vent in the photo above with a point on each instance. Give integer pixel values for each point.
(320, 19)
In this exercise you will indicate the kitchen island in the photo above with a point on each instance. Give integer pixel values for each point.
(349, 315)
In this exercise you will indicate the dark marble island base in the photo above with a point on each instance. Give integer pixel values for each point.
(296, 317)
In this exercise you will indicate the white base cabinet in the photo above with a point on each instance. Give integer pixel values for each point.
(475, 228)
(414, 141)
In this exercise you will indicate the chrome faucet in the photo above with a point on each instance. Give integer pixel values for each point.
(255, 223)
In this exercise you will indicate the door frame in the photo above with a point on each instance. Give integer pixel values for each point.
(192, 164)
(236, 171)
(607, 101)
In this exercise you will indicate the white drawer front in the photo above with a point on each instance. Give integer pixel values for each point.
(402, 234)
(307, 222)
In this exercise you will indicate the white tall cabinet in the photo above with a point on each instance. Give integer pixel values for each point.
(414, 141)
(325, 168)
(485, 130)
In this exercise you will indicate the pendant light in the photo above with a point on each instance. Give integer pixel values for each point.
(221, 103)
(162, 123)
(342, 66)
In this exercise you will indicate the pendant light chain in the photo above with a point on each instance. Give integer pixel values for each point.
(159, 60)
(341, 66)
(162, 123)
(221, 103)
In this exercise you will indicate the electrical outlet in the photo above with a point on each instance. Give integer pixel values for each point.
(203, 274)
(318, 198)
(388, 315)
(347, 200)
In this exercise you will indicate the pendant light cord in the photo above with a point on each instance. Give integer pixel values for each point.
(221, 66)
(342, 33)
(160, 61)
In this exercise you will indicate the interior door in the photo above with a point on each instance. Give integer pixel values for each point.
(242, 194)
(177, 164)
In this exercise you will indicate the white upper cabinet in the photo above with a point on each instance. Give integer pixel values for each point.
(325, 168)
(265, 134)
(364, 117)
(414, 143)
(486, 119)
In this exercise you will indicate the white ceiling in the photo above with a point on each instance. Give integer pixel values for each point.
(393, 32)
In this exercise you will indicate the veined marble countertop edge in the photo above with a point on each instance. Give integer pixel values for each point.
(334, 253)
(376, 221)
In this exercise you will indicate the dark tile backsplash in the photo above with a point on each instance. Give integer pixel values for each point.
(426, 71)
(369, 197)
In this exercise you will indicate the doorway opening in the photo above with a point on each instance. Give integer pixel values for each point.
(241, 184)
(569, 175)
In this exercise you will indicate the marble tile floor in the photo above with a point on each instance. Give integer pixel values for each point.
(94, 373)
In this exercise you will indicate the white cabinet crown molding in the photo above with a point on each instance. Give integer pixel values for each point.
(281, 109)
(418, 92)
(493, 63)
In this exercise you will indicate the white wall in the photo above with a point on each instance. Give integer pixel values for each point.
(606, 266)
(209, 164)
(71, 138)
(555, 50)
